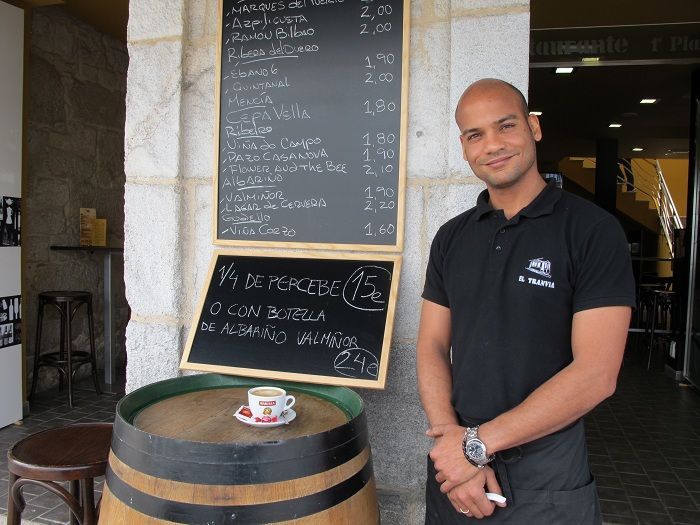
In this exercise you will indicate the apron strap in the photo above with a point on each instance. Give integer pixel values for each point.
(504, 458)
(502, 474)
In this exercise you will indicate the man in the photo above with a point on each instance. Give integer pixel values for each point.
(526, 306)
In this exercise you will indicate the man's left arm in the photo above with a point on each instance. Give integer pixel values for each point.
(598, 338)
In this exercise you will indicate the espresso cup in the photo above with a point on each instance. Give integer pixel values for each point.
(267, 403)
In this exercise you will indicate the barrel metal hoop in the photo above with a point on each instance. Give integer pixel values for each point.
(241, 463)
(179, 512)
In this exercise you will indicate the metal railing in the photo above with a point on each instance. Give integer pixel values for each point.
(649, 179)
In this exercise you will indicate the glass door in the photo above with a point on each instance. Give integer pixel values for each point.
(691, 369)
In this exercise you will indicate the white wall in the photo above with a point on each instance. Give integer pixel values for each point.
(11, 65)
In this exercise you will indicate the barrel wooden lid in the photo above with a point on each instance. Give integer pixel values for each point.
(207, 416)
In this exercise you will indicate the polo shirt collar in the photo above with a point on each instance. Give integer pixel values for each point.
(543, 204)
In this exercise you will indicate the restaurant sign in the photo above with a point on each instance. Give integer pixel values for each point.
(668, 43)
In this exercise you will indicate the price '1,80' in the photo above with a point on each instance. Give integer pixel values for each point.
(381, 138)
(373, 107)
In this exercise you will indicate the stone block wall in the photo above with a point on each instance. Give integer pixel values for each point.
(169, 143)
(75, 158)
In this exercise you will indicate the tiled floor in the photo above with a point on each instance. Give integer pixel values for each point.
(644, 445)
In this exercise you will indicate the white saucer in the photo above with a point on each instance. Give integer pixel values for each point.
(287, 417)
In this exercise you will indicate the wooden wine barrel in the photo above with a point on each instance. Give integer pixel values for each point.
(179, 456)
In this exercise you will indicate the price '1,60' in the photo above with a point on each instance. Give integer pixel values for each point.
(382, 229)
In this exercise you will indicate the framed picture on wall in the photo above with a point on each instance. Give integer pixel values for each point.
(10, 222)
(10, 321)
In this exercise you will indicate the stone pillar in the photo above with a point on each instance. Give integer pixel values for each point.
(154, 244)
(169, 152)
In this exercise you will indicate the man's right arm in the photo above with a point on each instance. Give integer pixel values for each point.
(433, 364)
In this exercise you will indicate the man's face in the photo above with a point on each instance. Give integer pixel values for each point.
(498, 138)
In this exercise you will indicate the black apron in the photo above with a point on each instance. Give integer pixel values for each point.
(547, 481)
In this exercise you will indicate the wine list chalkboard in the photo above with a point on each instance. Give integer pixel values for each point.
(296, 316)
(311, 124)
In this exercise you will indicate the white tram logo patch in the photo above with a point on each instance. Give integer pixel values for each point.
(540, 267)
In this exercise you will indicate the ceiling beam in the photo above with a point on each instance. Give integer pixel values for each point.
(28, 4)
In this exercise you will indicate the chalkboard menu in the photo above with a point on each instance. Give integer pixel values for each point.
(296, 316)
(311, 123)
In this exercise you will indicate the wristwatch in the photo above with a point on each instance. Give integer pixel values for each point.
(474, 449)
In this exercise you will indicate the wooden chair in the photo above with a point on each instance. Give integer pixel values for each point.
(75, 453)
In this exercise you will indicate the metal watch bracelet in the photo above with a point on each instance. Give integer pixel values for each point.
(472, 434)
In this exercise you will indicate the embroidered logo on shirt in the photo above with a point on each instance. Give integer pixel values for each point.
(540, 267)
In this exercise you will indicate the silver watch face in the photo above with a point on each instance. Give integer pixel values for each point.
(476, 450)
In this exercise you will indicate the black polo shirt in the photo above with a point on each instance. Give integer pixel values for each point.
(512, 287)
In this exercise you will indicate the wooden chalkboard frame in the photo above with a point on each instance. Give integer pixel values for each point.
(403, 140)
(379, 383)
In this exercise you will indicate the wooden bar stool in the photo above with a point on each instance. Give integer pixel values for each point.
(67, 361)
(75, 453)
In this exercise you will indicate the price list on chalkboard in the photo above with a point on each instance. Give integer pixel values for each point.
(311, 148)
